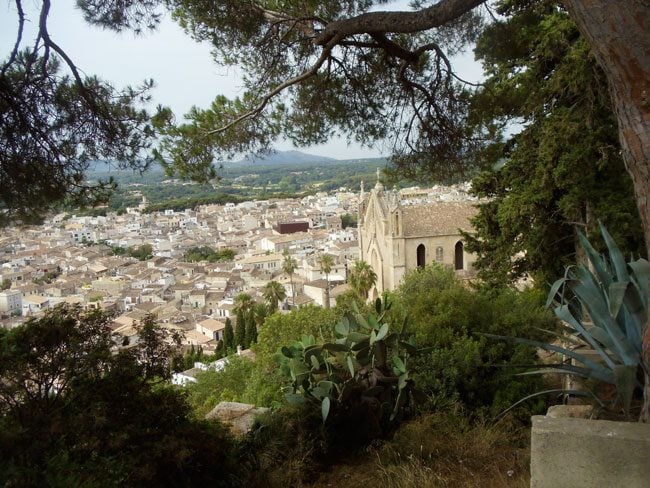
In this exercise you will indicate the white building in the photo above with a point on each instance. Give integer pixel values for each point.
(11, 301)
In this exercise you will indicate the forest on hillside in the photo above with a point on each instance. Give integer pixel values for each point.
(237, 183)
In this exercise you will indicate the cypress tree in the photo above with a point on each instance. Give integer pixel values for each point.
(220, 350)
(251, 330)
(228, 336)
(240, 331)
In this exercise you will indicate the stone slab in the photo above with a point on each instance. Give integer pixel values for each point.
(580, 453)
(238, 416)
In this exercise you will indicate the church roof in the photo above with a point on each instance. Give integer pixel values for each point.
(441, 218)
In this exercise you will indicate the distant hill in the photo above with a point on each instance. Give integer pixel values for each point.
(285, 157)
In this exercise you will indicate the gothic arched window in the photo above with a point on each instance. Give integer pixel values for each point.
(458, 256)
(421, 256)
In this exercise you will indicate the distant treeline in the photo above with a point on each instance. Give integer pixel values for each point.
(237, 183)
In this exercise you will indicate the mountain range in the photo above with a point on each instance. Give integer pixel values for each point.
(284, 157)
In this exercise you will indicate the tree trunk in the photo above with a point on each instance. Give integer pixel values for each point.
(619, 35)
(327, 291)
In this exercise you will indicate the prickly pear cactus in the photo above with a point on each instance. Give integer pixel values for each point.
(364, 368)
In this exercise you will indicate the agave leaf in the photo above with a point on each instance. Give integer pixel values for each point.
(626, 382)
(615, 254)
(580, 393)
(599, 371)
(592, 298)
(596, 260)
(563, 313)
(325, 408)
(633, 328)
(640, 275)
(636, 306)
(616, 293)
(554, 290)
(602, 337)
(561, 369)
(562, 335)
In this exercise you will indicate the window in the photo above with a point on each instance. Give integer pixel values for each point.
(421, 256)
(458, 256)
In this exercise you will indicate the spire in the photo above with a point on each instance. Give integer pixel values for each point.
(378, 185)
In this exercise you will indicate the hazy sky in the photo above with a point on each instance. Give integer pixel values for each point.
(181, 68)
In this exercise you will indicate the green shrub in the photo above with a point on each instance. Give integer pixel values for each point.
(464, 366)
(281, 329)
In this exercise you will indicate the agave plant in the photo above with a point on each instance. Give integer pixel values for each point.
(365, 367)
(603, 306)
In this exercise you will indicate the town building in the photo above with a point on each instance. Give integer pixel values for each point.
(396, 236)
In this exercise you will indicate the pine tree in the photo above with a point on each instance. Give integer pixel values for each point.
(228, 336)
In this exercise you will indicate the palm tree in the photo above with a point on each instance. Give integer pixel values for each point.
(362, 278)
(289, 266)
(244, 303)
(260, 312)
(273, 293)
(326, 262)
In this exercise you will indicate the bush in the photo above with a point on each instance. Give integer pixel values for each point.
(110, 420)
(464, 366)
(281, 329)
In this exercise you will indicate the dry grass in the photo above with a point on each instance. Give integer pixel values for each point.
(440, 451)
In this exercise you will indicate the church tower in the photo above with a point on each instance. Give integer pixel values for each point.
(396, 237)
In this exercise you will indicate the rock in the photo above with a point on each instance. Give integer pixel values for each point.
(570, 412)
(238, 416)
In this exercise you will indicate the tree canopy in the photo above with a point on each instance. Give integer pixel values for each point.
(563, 170)
(310, 70)
(75, 412)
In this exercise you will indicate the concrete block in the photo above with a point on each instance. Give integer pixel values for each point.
(580, 453)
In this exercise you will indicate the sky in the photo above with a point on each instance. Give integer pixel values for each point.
(182, 69)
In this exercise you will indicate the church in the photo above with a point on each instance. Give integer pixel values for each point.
(396, 236)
